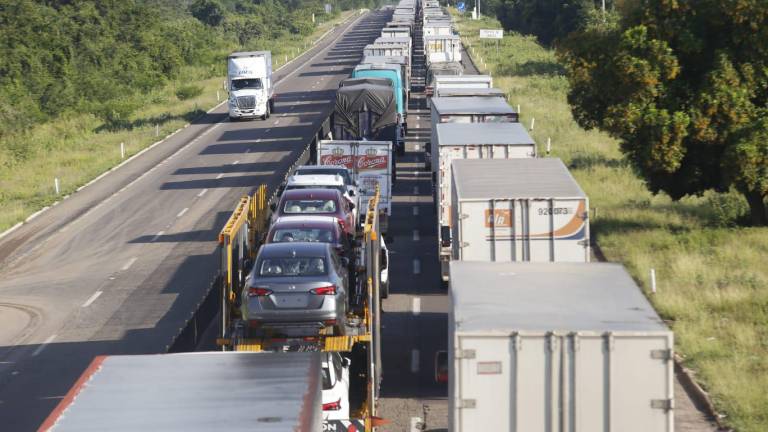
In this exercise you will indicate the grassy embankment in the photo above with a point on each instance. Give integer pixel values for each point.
(712, 275)
(78, 148)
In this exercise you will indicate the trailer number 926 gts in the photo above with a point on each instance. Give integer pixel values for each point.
(555, 211)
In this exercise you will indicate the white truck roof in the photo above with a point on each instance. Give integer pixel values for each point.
(457, 134)
(486, 179)
(251, 54)
(508, 296)
(315, 180)
(233, 391)
(471, 105)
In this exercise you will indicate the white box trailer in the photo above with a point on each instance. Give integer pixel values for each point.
(371, 164)
(396, 32)
(517, 210)
(232, 391)
(569, 347)
(437, 28)
(387, 50)
(469, 110)
(469, 141)
(469, 92)
(442, 48)
(464, 82)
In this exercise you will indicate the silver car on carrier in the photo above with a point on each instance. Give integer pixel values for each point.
(297, 289)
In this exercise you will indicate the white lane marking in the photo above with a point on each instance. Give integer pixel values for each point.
(202, 192)
(416, 266)
(415, 211)
(219, 176)
(415, 235)
(416, 305)
(277, 122)
(92, 299)
(285, 114)
(235, 162)
(267, 130)
(129, 264)
(157, 236)
(414, 361)
(415, 190)
(43, 345)
(181, 213)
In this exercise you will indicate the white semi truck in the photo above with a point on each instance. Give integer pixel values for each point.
(250, 86)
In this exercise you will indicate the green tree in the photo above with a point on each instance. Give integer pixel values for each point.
(684, 86)
(210, 12)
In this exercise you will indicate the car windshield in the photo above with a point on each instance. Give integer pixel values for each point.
(338, 188)
(304, 266)
(302, 235)
(247, 83)
(309, 206)
(341, 171)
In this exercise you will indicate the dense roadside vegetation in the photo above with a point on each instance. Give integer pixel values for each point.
(712, 277)
(77, 78)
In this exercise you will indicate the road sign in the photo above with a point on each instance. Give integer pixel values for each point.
(491, 34)
(461, 6)
(328, 8)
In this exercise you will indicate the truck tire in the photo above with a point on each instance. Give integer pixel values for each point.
(266, 113)
(271, 105)
(384, 290)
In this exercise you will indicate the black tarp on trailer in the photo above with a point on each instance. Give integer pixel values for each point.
(365, 111)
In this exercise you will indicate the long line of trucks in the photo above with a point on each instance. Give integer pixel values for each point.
(540, 339)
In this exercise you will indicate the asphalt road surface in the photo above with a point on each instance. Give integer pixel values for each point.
(119, 266)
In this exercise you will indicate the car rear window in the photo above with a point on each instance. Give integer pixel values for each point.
(300, 266)
(338, 188)
(309, 206)
(303, 235)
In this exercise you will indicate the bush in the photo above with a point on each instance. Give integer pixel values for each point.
(188, 92)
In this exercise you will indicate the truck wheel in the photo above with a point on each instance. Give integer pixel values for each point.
(384, 290)
(271, 105)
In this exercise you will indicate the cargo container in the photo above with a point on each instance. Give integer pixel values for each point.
(403, 61)
(233, 391)
(556, 347)
(442, 48)
(440, 69)
(469, 110)
(517, 210)
(469, 141)
(469, 92)
(464, 82)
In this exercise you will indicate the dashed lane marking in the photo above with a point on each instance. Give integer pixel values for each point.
(43, 345)
(129, 264)
(92, 299)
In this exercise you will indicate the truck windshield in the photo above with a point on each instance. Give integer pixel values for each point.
(247, 83)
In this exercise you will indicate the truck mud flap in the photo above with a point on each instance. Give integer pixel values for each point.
(344, 425)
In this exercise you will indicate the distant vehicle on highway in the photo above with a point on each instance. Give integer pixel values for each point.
(320, 202)
(312, 229)
(335, 387)
(297, 288)
(249, 83)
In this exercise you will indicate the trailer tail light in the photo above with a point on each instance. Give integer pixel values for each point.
(258, 292)
(332, 406)
(326, 290)
(341, 223)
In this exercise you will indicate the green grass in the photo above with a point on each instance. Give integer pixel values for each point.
(77, 148)
(712, 275)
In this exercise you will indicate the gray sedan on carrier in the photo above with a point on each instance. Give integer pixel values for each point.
(297, 288)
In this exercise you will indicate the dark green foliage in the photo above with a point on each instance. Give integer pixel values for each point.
(684, 86)
(210, 12)
(188, 91)
(548, 20)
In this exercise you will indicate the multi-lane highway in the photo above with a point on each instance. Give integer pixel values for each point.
(118, 267)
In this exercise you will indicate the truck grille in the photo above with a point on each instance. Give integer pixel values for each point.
(246, 102)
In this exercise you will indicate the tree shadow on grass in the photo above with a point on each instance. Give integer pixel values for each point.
(593, 160)
(160, 120)
(531, 68)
